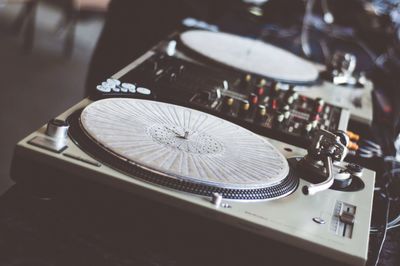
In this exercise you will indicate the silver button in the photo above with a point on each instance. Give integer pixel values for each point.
(115, 82)
(103, 89)
(144, 91)
(129, 86)
(108, 85)
(318, 220)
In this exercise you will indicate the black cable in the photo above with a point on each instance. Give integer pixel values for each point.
(384, 233)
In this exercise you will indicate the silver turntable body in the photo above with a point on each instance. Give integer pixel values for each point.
(331, 223)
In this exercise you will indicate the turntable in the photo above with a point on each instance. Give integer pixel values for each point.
(209, 166)
(340, 87)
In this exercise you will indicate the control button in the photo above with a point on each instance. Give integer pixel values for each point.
(262, 82)
(115, 82)
(57, 129)
(290, 100)
(244, 108)
(216, 199)
(116, 89)
(318, 220)
(286, 108)
(308, 127)
(128, 86)
(225, 85)
(260, 91)
(108, 85)
(327, 109)
(227, 104)
(319, 105)
(48, 144)
(261, 114)
(253, 98)
(143, 91)
(103, 89)
(347, 217)
(229, 101)
(274, 104)
(286, 114)
(280, 117)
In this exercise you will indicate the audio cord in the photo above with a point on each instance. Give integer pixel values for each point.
(386, 195)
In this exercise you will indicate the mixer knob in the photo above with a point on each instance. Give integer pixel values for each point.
(227, 105)
(308, 127)
(57, 129)
(253, 99)
(290, 99)
(274, 104)
(319, 105)
(286, 108)
(295, 95)
(280, 117)
(314, 123)
(260, 91)
(244, 108)
(248, 78)
(286, 114)
(261, 114)
(262, 82)
(225, 85)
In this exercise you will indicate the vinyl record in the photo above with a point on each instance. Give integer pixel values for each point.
(184, 144)
(251, 56)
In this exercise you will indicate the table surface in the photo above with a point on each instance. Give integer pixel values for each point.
(88, 224)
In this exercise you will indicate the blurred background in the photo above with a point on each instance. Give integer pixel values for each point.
(45, 49)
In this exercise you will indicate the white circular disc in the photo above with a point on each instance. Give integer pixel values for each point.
(251, 56)
(184, 143)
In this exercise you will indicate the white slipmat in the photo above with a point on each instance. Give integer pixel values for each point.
(214, 151)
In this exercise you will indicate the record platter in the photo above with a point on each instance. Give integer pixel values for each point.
(186, 149)
(251, 56)
(208, 166)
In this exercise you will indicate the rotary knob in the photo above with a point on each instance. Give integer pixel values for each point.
(261, 114)
(57, 129)
(244, 109)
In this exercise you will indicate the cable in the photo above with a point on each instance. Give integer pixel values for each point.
(384, 233)
(304, 37)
